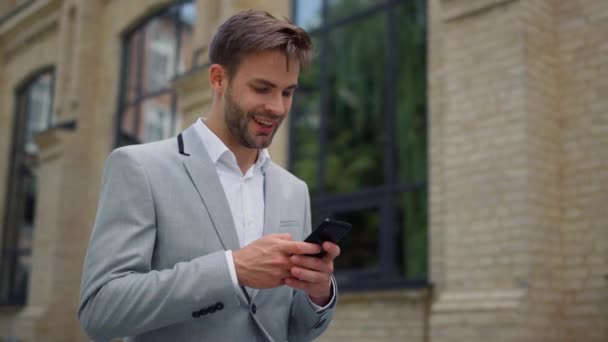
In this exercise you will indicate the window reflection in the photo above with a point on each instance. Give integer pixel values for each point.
(308, 13)
(359, 133)
(355, 156)
(158, 118)
(156, 52)
(160, 53)
(34, 115)
(360, 248)
(340, 9)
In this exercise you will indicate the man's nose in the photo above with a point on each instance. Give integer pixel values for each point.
(276, 105)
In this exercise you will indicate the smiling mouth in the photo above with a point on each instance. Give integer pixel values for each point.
(264, 122)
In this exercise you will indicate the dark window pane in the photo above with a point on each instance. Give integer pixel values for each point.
(187, 17)
(156, 118)
(185, 51)
(355, 153)
(128, 121)
(359, 249)
(388, 242)
(34, 113)
(40, 104)
(157, 51)
(134, 49)
(308, 13)
(340, 9)
(306, 142)
(306, 117)
(411, 234)
(160, 53)
(411, 103)
(25, 240)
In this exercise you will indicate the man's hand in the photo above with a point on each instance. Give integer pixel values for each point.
(313, 275)
(265, 262)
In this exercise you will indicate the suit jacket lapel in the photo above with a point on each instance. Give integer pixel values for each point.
(203, 174)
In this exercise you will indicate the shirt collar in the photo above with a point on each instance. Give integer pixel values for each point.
(218, 150)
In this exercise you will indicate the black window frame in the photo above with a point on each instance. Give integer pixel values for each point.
(382, 197)
(16, 198)
(120, 137)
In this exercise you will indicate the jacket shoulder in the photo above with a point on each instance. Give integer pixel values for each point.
(286, 176)
(149, 152)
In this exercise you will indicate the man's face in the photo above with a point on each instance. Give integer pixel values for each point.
(259, 96)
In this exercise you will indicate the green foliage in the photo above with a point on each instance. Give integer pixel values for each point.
(357, 130)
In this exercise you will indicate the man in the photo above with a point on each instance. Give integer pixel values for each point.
(198, 237)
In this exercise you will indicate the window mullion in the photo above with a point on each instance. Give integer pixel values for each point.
(138, 88)
(324, 97)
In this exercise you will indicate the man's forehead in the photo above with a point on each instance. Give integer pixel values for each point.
(271, 66)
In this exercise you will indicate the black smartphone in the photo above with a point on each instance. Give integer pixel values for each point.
(328, 230)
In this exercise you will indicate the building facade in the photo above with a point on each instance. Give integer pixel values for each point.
(466, 140)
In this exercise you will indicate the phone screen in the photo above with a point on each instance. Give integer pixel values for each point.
(328, 230)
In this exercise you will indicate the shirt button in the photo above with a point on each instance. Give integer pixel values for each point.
(253, 309)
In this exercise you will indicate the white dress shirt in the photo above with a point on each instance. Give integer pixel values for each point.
(245, 195)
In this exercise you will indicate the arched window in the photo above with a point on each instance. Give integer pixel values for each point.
(358, 134)
(34, 114)
(154, 52)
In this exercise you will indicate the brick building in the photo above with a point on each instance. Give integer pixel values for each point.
(476, 170)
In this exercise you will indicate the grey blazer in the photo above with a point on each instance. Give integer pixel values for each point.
(155, 267)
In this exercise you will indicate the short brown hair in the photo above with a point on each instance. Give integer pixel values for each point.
(256, 31)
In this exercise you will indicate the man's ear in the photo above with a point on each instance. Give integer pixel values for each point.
(218, 78)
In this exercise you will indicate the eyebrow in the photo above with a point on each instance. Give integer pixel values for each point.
(270, 84)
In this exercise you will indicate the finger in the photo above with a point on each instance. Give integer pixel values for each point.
(312, 263)
(333, 250)
(309, 276)
(298, 284)
(299, 247)
(281, 236)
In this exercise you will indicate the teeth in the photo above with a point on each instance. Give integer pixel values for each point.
(263, 122)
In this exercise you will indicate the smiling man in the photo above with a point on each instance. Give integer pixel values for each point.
(199, 237)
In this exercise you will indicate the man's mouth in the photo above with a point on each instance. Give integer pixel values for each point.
(264, 122)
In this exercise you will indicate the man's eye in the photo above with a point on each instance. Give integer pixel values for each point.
(262, 90)
(288, 93)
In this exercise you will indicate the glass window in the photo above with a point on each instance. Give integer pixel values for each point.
(34, 114)
(358, 134)
(155, 52)
(308, 13)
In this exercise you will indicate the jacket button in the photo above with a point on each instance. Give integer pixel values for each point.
(196, 314)
(219, 306)
(253, 308)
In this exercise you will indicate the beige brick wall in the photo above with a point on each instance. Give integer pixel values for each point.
(483, 136)
(518, 117)
(583, 103)
(518, 236)
(26, 48)
(545, 284)
(380, 316)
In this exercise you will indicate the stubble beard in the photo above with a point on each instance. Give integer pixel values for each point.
(237, 121)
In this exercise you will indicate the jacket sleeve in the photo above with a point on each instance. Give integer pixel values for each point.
(305, 323)
(121, 295)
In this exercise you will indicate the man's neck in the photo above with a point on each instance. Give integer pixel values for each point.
(245, 157)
